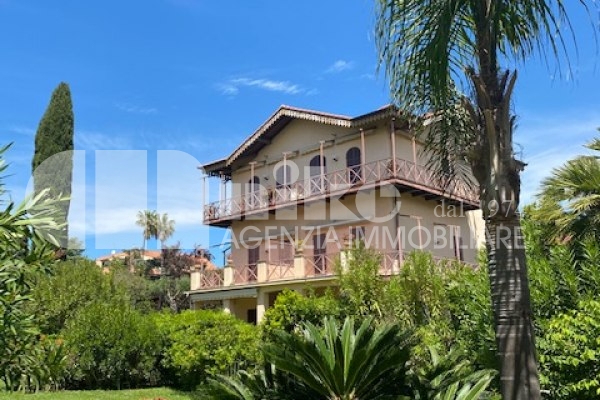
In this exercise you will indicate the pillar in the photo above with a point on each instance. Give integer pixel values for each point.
(262, 303)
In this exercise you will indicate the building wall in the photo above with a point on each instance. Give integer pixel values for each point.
(422, 224)
(302, 139)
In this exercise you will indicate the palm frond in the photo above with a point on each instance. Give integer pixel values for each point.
(430, 50)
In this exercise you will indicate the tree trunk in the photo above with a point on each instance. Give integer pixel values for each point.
(497, 172)
(512, 310)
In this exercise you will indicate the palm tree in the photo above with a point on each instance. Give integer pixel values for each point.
(433, 51)
(165, 228)
(148, 221)
(570, 198)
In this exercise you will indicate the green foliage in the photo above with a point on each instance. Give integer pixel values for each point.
(335, 362)
(72, 287)
(361, 285)
(468, 294)
(292, 308)
(111, 345)
(265, 383)
(417, 295)
(26, 249)
(199, 344)
(344, 362)
(448, 377)
(570, 198)
(570, 353)
(52, 163)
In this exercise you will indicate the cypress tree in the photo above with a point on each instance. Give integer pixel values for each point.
(52, 163)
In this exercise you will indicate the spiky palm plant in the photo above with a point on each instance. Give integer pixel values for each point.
(329, 363)
(444, 57)
(570, 197)
(344, 363)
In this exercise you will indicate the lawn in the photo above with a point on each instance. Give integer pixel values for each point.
(140, 394)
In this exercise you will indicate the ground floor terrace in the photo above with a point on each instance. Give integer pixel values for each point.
(248, 290)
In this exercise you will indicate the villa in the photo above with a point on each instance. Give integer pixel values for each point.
(306, 185)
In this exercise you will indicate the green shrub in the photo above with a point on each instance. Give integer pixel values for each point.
(361, 285)
(468, 294)
(570, 353)
(198, 344)
(292, 308)
(72, 287)
(111, 345)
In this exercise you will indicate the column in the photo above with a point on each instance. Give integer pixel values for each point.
(262, 303)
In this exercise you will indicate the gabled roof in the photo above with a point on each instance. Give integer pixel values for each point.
(283, 116)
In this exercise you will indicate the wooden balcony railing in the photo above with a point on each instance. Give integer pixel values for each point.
(282, 269)
(320, 264)
(337, 183)
(211, 279)
(243, 274)
(300, 267)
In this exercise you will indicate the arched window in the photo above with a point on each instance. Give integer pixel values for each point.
(253, 184)
(283, 176)
(353, 163)
(315, 165)
(252, 188)
(317, 182)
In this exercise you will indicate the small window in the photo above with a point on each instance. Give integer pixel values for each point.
(357, 234)
(353, 163)
(253, 184)
(315, 165)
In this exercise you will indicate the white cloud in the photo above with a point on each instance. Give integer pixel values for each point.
(135, 109)
(21, 130)
(228, 89)
(232, 87)
(339, 66)
(89, 140)
(550, 141)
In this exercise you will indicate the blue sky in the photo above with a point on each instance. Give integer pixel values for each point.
(163, 85)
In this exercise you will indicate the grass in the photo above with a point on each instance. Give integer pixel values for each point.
(140, 394)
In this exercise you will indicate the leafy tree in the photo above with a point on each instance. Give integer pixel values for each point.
(174, 281)
(169, 292)
(569, 353)
(52, 163)
(433, 52)
(361, 285)
(72, 287)
(27, 247)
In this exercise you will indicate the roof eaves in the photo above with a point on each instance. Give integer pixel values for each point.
(290, 112)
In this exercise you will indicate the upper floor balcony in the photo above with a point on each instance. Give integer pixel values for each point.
(405, 175)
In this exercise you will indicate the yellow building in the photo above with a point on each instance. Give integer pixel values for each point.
(306, 184)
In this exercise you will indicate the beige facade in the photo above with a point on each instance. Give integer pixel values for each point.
(307, 182)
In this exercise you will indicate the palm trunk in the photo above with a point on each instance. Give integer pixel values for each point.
(512, 310)
(497, 172)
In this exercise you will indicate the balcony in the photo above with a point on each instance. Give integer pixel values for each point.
(300, 268)
(406, 175)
